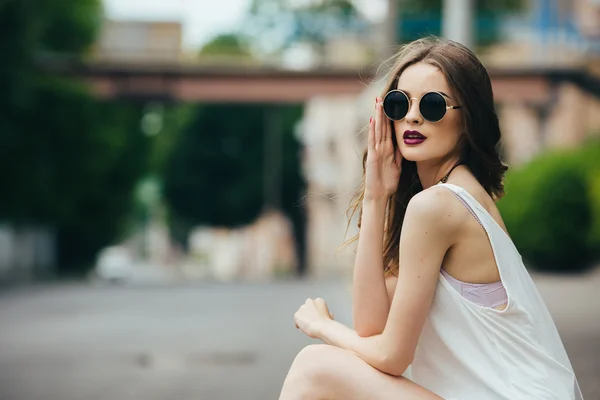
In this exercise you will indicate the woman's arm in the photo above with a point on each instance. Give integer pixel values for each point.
(431, 225)
(371, 304)
(382, 173)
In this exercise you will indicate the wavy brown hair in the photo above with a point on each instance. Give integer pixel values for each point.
(478, 147)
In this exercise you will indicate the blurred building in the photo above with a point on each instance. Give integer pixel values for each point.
(256, 252)
(587, 14)
(26, 252)
(342, 42)
(139, 41)
(549, 32)
(332, 168)
(561, 35)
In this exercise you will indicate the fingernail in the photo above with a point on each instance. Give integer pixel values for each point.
(370, 119)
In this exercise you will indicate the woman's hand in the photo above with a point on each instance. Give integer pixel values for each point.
(311, 316)
(384, 162)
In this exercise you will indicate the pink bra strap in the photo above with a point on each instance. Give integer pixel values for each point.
(483, 294)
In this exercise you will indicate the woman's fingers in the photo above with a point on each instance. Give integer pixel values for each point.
(385, 125)
(322, 306)
(388, 132)
(398, 157)
(378, 123)
(371, 137)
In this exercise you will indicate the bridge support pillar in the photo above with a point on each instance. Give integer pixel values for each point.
(332, 168)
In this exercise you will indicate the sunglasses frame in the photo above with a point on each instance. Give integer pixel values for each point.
(410, 99)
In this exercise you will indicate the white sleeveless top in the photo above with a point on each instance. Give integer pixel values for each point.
(468, 352)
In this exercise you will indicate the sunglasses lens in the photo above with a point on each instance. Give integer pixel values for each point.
(433, 107)
(395, 105)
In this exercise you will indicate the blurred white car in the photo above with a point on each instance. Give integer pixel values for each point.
(114, 264)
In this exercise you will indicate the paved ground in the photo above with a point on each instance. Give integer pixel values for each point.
(203, 341)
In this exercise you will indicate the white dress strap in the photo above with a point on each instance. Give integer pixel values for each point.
(495, 232)
(505, 253)
(468, 207)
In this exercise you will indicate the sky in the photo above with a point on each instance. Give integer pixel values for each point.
(203, 19)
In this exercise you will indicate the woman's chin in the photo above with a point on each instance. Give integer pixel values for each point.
(413, 153)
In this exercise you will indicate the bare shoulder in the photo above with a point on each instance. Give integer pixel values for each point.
(437, 207)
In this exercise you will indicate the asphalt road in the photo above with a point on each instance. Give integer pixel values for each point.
(203, 341)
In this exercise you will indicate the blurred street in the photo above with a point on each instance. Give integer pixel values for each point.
(204, 341)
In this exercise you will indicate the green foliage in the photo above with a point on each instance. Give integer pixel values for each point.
(68, 26)
(67, 160)
(175, 118)
(229, 44)
(547, 212)
(216, 174)
(59, 26)
(587, 158)
(208, 181)
(74, 167)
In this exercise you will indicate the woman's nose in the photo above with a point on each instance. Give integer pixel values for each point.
(413, 116)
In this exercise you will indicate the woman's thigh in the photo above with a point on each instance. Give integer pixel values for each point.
(340, 374)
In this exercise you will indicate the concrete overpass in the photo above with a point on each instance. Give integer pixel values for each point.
(198, 83)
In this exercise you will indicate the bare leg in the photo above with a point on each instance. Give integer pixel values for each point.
(323, 372)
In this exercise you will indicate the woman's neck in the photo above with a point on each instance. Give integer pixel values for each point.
(431, 172)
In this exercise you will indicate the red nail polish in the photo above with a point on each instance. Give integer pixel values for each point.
(370, 119)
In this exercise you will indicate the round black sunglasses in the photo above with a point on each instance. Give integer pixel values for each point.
(432, 105)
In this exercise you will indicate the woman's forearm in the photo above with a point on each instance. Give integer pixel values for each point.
(370, 299)
(385, 355)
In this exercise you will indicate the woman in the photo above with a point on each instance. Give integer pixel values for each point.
(443, 305)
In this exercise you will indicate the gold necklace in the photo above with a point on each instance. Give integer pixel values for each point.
(445, 178)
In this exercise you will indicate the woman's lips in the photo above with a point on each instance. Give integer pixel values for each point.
(413, 137)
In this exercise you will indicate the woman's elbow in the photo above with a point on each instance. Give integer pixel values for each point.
(396, 366)
(367, 331)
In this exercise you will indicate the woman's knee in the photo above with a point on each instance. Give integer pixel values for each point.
(305, 379)
(315, 356)
(311, 365)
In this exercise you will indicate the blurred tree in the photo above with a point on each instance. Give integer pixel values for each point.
(548, 212)
(274, 26)
(419, 18)
(216, 172)
(228, 44)
(66, 26)
(67, 160)
(174, 119)
(216, 175)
